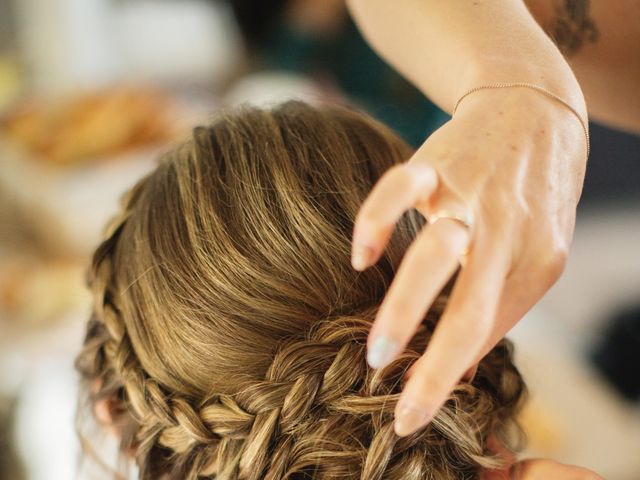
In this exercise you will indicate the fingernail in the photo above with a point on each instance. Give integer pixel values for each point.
(410, 418)
(361, 257)
(382, 351)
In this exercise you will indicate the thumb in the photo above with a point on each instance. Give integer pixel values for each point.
(495, 475)
(542, 469)
(508, 457)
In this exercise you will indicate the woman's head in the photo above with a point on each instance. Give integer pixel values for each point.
(229, 330)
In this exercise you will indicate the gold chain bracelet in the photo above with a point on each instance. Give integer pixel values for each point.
(540, 89)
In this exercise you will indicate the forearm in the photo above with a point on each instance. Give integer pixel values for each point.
(447, 47)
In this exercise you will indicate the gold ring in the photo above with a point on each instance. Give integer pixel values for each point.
(466, 219)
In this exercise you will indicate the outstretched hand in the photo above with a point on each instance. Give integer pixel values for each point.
(514, 161)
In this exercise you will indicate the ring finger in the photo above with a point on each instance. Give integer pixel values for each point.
(429, 263)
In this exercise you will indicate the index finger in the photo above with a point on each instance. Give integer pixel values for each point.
(401, 187)
(461, 333)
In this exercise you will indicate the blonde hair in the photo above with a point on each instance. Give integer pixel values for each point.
(229, 327)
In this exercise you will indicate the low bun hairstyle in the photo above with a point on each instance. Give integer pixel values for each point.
(229, 329)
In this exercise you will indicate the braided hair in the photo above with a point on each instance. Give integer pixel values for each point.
(229, 330)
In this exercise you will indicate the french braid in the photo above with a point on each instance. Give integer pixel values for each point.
(316, 412)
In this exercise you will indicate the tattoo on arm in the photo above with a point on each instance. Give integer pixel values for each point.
(572, 26)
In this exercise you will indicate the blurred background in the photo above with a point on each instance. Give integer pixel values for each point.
(92, 90)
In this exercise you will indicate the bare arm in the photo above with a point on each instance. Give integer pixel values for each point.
(446, 48)
(600, 41)
(512, 158)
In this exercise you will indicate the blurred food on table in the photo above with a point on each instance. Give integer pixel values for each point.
(90, 125)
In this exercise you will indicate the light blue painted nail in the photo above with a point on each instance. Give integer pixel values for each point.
(382, 351)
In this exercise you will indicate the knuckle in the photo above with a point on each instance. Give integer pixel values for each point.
(401, 309)
(551, 264)
(366, 217)
(430, 385)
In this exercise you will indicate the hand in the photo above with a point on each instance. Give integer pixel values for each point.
(532, 469)
(541, 469)
(513, 158)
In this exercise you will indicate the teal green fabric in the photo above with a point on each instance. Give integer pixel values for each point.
(347, 60)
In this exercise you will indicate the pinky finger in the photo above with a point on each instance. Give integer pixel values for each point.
(459, 336)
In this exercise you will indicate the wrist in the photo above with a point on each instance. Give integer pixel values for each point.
(553, 75)
(526, 105)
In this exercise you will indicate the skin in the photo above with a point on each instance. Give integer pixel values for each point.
(608, 68)
(513, 158)
(542, 469)
(534, 469)
(520, 243)
(523, 229)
